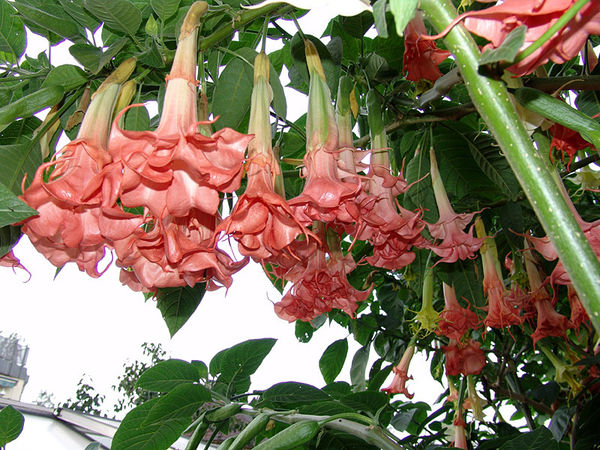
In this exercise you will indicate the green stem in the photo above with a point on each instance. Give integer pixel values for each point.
(550, 32)
(491, 100)
(373, 435)
(242, 19)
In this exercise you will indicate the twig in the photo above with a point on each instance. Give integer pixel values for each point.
(437, 116)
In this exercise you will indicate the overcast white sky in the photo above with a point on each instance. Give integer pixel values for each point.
(75, 324)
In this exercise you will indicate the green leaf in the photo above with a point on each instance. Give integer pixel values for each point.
(357, 26)
(112, 51)
(133, 434)
(51, 17)
(12, 209)
(366, 401)
(30, 104)
(164, 8)
(235, 364)
(87, 55)
(11, 424)
(15, 163)
(120, 15)
(379, 15)
(75, 9)
(12, 33)
(403, 12)
(180, 403)
(167, 375)
(67, 76)
(292, 395)
(508, 50)
(561, 419)
(137, 119)
(177, 304)
(359, 367)
(151, 26)
(538, 439)
(9, 236)
(231, 98)
(332, 361)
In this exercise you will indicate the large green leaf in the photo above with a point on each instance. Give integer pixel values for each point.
(403, 12)
(75, 9)
(133, 434)
(50, 16)
(67, 76)
(332, 361)
(367, 401)
(490, 160)
(235, 364)
(231, 98)
(11, 424)
(164, 8)
(359, 368)
(167, 375)
(12, 209)
(12, 33)
(291, 395)
(120, 15)
(538, 439)
(177, 304)
(16, 162)
(180, 403)
(20, 131)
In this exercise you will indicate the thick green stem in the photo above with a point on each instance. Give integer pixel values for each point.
(493, 104)
(373, 435)
(240, 20)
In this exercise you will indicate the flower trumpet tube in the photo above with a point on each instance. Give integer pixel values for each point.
(67, 227)
(176, 168)
(455, 243)
(261, 221)
(427, 318)
(325, 196)
(398, 385)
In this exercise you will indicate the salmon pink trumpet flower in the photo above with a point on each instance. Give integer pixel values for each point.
(501, 311)
(322, 284)
(400, 371)
(421, 57)
(325, 196)
(496, 22)
(549, 322)
(176, 169)
(455, 321)
(455, 243)
(261, 221)
(464, 358)
(391, 229)
(67, 227)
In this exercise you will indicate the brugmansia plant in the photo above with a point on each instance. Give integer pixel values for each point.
(439, 196)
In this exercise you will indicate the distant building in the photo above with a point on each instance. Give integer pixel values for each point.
(13, 373)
